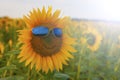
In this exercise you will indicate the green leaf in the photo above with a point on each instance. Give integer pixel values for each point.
(61, 76)
(13, 78)
(10, 67)
(13, 52)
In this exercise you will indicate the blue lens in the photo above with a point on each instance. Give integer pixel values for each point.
(40, 31)
(57, 32)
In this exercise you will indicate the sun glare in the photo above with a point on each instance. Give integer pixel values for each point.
(111, 9)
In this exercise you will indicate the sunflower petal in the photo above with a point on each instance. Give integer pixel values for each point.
(55, 62)
(50, 63)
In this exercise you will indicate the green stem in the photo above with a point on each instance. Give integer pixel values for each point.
(8, 63)
(29, 74)
(79, 62)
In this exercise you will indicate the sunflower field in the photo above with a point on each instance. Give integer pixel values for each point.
(97, 55)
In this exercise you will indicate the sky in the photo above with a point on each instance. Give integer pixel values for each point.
(82, 9)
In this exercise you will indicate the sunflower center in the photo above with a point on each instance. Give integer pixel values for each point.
(91, 39)
(46, 45)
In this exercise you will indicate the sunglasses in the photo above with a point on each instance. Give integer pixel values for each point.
(44, 31)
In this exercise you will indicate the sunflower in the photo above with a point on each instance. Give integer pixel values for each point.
(1, 49)
(45, 45)
(93, 38)
(10, 42)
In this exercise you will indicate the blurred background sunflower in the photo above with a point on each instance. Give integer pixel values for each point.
(93, 38)
(1, 49)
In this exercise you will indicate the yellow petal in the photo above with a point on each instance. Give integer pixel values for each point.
(69, 48)
(44, 65)
(50, 63)
(38, 62)
(33, 60)
(66, 53)
(30, 59)
(59, 61)
(56, 14)
(62, 59)
(55, 62)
